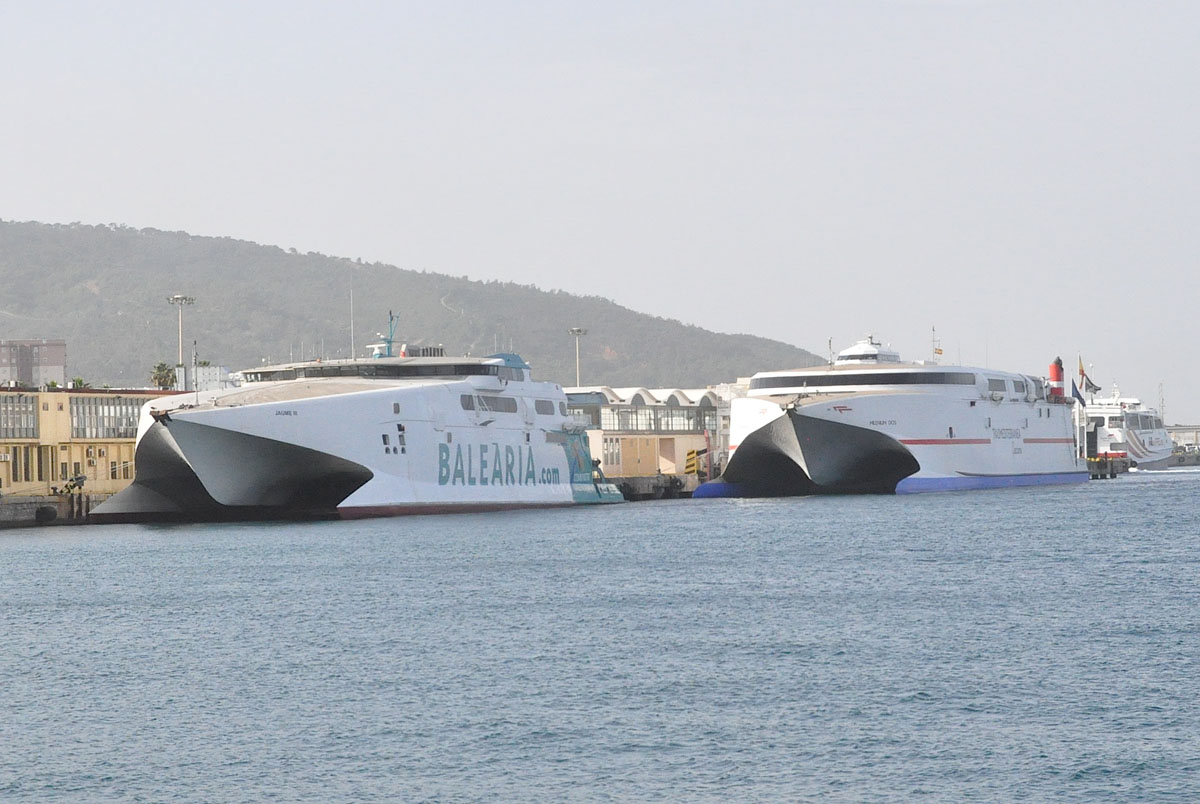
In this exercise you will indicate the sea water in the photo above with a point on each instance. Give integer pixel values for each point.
(1014, 645)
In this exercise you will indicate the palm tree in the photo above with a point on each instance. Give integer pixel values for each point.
(162, 376)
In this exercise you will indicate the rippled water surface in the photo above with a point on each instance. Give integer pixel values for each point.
(1018, 645)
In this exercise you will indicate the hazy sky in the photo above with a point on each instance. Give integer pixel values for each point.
(1021, 175)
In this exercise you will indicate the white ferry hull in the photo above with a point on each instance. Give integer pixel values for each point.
(396, 448)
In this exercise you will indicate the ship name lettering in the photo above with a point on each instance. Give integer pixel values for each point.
(882, 422)
(490, 465)
(1006, 432)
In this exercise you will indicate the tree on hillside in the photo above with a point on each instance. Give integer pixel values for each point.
(162, 376)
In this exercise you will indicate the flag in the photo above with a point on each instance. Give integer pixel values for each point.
(1075, 393)
(1086, 381)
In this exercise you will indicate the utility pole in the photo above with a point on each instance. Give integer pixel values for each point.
(577, 332)
(180, 300)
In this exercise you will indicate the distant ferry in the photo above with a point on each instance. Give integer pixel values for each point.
(404, 434)
(1122, 427)
(870, 423)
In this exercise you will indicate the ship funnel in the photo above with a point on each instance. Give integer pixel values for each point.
(1056, 378)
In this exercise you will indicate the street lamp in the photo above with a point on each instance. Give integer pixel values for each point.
(181, 300)
(577, 332)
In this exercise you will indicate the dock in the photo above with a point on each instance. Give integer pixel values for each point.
(47, 509)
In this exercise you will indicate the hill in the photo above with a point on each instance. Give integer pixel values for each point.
(104, 290)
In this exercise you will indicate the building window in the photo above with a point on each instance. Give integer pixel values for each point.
(78, 469)
(112, 470)
(62, 471)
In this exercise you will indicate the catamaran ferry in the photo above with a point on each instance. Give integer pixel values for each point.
(417, 432)
(1123, 428)
(870, 423)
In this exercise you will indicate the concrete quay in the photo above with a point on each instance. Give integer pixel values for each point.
(50, 509)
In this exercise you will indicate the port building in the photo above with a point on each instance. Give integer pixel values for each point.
(33, 363)
(63, 440)
(653, 442)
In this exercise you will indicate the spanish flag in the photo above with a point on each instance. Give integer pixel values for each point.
(1085, 381)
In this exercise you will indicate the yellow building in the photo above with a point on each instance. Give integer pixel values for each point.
(642, 436)
(68, 439)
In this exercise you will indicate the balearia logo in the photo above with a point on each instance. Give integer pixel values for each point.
(490, 465)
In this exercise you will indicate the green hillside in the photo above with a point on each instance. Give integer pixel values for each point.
(104, 290)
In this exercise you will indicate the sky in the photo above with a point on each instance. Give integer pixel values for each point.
(1021, 176)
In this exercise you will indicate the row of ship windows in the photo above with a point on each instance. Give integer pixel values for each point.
(1132, 421)
(506, 404)
(903, 378)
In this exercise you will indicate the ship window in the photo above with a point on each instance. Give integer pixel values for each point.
(996, 385)
(1115, 421)
(1019, 386)
(396, 407)
(544, 407)
(467, 401)
(499, 404)
(562, 408)
(386, 439)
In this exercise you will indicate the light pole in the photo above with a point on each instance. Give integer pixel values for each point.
(181, 300)
(577, 332)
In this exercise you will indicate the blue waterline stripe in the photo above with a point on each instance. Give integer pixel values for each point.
(916, 485)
